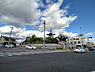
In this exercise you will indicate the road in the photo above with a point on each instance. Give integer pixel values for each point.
(49, 62)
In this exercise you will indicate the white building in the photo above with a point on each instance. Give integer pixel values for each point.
(78, 40)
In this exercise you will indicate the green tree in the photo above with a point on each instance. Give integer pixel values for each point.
(51, 40)
(35, 39)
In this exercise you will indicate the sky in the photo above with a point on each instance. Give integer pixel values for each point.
(69, 17)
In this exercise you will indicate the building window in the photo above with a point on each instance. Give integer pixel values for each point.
(74, 42)
(67, 39)
(71, 42)
(77, 38)
(74, 39)
(71, 39)
(78, 42)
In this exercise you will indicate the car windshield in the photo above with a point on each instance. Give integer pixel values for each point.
(29, 45)
(79, 48)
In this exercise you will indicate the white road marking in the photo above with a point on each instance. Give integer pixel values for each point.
(27, 53)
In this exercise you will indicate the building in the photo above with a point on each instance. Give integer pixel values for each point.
(78, 40)
(62, 41)
(26, 40)
(6, 40)
(90, 44)
(51, 34)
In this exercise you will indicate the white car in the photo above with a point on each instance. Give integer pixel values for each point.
(9, 45)
(30, 47)
(79, 49)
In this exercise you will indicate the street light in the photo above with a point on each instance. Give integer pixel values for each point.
(10, 34)
(44, 22)
(11, 31)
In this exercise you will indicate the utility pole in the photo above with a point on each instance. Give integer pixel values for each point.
(11, 31)
(44, 35)
(10, 34)
(80, 30)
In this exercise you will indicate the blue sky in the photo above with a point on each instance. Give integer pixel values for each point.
(85, 10)
(81, 13)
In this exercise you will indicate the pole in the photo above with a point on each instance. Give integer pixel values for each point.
(10, 34)
(11, 31)
(44, 35)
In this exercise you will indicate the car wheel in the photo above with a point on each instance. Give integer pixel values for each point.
(74, 51)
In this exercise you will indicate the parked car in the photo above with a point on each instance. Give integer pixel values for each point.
(30, 47)
(79, 49)
(9, 45)
(91, 49)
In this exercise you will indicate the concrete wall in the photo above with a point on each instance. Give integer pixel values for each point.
(47, 46)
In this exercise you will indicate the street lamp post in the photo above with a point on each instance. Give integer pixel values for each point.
(44, 34)
(10, 34)
(11, 31)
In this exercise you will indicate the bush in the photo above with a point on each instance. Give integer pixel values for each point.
(38, 42)
(51, 40)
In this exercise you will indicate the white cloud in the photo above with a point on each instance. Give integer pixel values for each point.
(27, 12)
(48, 1)
(89, 34)
(19, 12)
(68, 34)
(55, 17)
(7, 29)
(90, 40)
(66, 7)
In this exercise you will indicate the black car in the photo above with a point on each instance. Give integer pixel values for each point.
(91, 49)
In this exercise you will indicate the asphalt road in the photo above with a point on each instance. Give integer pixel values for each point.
(52, 62)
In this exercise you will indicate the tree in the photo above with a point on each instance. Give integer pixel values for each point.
(51, 40)
(35, 39)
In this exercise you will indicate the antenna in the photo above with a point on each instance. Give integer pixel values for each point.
(80, 30)
(50, 30)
